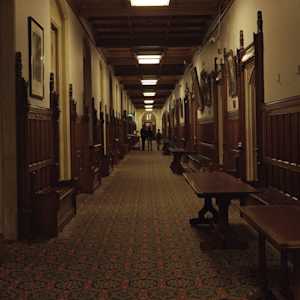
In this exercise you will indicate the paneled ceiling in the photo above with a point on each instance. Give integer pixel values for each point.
(122, 32)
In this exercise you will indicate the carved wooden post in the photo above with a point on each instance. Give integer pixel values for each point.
(241, 39)
(54, 99)
(73, 117)
(25, 202)
(260, 95)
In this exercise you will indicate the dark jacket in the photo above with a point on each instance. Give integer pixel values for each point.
(144, 133)
(150, 134)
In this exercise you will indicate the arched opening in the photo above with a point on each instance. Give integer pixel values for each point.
(149, 120)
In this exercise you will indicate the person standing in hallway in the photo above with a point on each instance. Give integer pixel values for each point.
(158, 139)
(150, 137)
(143, 136)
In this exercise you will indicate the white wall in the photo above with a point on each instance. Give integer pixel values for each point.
(75, 31)
(281, 38)
(40, 11)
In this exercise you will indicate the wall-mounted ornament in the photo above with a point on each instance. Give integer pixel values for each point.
(231, 69)
(196, 90)
(206, 88)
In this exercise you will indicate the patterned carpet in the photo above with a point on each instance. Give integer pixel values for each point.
(132, 240)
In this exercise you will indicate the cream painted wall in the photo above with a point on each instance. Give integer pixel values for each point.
(281, 38)
(75, 31)
(40, 11)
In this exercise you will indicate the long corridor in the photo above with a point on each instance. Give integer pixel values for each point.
(131, 240)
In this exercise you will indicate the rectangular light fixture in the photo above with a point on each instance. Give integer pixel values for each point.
(148, 106)
(149, 59)
(149, 94)
(149, 81)
(150, 2)
(149, 109)
(149, 102)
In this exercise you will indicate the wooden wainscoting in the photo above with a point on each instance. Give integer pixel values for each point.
(40, 147)
(281, 144)
(206, 139)
(231, 142)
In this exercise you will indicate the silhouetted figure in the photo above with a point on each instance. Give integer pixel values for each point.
(158, 139)
(150, 137)
(144, 135)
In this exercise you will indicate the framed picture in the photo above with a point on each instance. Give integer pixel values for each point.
(231, 73)
(36, 59)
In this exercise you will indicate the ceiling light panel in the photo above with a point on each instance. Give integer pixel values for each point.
(149, 81)
(149, 109)
(150, 2)
(148, 106)
(149, 94)
(149, 59)
(149, 102)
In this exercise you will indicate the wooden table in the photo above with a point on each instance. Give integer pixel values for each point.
(176, 165)
(223, 188)
(279, 225)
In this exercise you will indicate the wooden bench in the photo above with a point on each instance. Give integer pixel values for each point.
(53, 206)
(197, 161)
(279, 225)
(271, 196)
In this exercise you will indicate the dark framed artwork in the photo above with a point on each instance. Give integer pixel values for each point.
(232, 73)
(36, 59)
(206, 88)
(197, 93)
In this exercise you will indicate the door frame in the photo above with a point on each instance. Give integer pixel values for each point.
(8, 153)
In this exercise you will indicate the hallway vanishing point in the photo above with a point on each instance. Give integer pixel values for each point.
(131, 240)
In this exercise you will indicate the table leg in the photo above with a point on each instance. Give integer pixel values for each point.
(223, 225)
(207, 208)
(285, 280)
(262, 262)
(226, 239)
(176, 165)
(296, 275)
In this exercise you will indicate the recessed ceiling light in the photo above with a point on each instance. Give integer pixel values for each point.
(148, 101)
(150, 59)
(149, 94)
(150, 2)
(148, 106)
(148, 109)
(149, 81)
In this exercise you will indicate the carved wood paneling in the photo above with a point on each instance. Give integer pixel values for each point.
(206, 139)
(281, 144)
(40, 147)
(231, 140)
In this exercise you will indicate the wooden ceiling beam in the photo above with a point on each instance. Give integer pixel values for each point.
(145, 42)
(127, 79)
(100, 30)
(150, 35)
(96, 11)
(159, 87)
(149, 70)
(123, 61)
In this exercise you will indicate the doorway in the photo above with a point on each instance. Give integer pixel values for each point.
(59, 71)
(149, 120)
